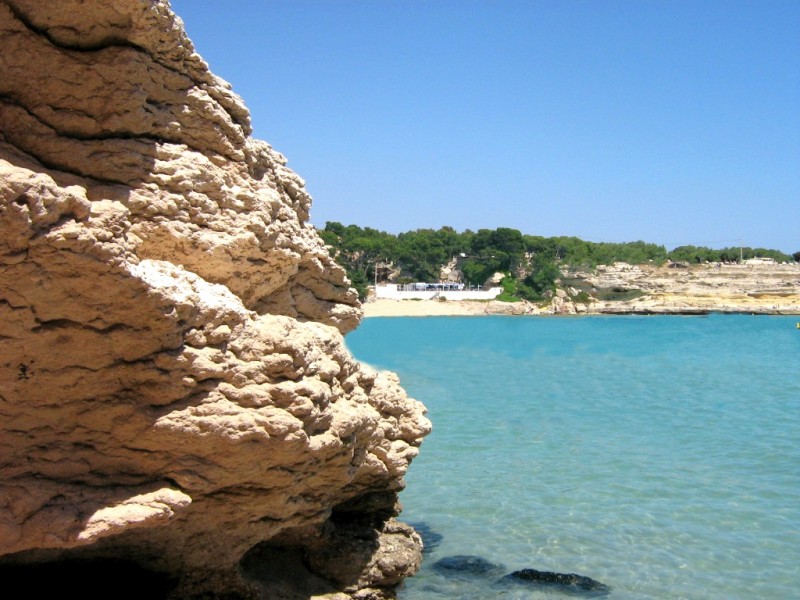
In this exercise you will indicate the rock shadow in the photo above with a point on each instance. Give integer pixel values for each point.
(467, 566)
(349, 552)
(88, 579)
(430, 538)
(281, 573)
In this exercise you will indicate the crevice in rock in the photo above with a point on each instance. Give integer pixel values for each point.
(123, 42)
(237, 490)
(56, 324)
(110, 136)
(111, 42)
(54, 166)
(107, 43)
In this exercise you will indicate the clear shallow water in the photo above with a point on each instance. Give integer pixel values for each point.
(658, 455)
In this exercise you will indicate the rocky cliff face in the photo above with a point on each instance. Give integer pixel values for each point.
(752, 287)
(671, 288)
(174, 389)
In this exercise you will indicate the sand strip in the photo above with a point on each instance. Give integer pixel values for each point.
(423, 308)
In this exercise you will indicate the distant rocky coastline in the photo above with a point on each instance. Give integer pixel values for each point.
(623, 289)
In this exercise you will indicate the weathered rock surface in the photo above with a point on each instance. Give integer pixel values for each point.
(174, 388)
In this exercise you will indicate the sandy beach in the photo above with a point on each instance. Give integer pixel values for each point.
(424, 308)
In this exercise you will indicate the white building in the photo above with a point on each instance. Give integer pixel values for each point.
(434, 291)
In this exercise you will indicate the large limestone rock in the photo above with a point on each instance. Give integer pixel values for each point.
(174, 389)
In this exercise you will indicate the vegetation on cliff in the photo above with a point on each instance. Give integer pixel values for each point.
(531, 263)
(701, 254)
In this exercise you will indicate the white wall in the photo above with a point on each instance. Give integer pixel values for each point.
(390, 292)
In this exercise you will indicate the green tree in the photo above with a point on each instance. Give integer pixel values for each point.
(694, 254)
(542, 278)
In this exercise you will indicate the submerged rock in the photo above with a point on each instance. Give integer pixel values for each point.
(567, 582)
(471, 567)
(461, 566)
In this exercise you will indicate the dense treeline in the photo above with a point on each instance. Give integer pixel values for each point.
(695, 254)
(532, 263)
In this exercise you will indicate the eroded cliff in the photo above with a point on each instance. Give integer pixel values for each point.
(174, 388)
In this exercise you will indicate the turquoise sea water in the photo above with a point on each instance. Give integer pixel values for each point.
(658, 455)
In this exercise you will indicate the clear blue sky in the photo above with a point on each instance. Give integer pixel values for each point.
(674, 122)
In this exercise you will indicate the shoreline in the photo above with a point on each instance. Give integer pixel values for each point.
(665, 305)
